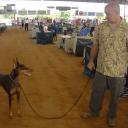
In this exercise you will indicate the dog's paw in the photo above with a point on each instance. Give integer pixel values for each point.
(19, 114)
(11, 115)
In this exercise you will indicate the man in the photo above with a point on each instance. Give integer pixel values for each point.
(26, 24)
(111, 45)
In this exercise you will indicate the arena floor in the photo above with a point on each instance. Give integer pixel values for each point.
(56, 81)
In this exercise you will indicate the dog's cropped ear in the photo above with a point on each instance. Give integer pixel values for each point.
(14, 65)
(15, 62)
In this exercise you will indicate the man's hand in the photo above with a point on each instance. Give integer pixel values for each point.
(91, 66)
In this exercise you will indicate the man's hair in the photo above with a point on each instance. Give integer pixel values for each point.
(115, 6)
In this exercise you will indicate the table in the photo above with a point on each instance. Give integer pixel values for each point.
(66, 42)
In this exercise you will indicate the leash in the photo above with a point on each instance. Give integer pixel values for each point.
(57, 117)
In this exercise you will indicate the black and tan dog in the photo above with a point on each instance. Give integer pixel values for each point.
(11, 84)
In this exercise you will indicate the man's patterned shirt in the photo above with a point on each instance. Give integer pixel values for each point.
(112, 57)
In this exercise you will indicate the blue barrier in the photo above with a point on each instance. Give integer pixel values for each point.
(44, 37)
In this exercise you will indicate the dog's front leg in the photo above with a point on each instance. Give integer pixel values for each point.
(10, 106)
(18, 102)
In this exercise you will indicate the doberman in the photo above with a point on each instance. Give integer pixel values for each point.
(11, 84)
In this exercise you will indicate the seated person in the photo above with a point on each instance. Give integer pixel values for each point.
(85, 31)
(41, 28)
(45, 27)
(91, 31)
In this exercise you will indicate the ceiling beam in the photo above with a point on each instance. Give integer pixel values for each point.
(94, 1)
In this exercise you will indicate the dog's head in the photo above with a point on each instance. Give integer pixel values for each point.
(22, 68)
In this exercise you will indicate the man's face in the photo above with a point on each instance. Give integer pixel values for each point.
(111, 15)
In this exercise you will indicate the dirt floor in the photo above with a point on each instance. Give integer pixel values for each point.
(56, 82)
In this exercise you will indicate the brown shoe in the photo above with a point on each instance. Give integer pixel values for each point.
(86, 115)
(111, 122)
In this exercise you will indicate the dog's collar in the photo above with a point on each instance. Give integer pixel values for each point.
(12, 79)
